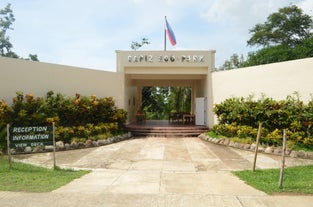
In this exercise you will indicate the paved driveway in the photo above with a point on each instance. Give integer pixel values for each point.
(156, 172)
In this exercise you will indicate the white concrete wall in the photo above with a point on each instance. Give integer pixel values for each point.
(276, 80)
(39, 78)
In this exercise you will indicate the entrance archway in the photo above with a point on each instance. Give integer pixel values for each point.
(187, 69)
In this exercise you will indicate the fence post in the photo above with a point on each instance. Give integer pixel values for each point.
(257, 145)
(282, 169)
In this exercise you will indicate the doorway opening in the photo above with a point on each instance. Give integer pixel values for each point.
(159, 102)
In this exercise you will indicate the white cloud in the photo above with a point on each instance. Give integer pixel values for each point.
(241, 15)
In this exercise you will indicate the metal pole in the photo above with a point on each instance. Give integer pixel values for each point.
(53, 137)
(257, 146)
(282, 169)
(8, 146)
(165, 34)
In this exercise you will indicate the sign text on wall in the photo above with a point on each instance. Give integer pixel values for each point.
(166, 58)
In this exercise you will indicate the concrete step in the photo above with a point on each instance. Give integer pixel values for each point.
(169, 131)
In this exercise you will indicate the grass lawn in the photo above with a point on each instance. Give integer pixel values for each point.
(29, 178)
(297, 180)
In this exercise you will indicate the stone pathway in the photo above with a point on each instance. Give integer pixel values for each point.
(156, 172)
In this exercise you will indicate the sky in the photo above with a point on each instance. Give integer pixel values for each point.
(87, 33)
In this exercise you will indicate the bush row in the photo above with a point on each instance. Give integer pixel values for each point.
(89, 131)
(273, 138)
(77, 116)
(239, 117)
(63, 110)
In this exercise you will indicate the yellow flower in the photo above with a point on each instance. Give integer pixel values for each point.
(29, 96)
(93, 96)
(76, 102)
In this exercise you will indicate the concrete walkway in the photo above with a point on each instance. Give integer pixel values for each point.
(156, 172)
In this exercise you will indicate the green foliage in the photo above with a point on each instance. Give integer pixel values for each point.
(228, 130)
(304, 50)
(213, 134)
(78, 116)
(239, 117)
(86, 132)
(279, 53)
(289, 26)
(159, 102)
(65, 111)
(4, 109)
(242, 140)
(136, 45)
(234, 62)
(6, 21)
(26, 110)
(234, 130)
(286, 35)
(270, 54)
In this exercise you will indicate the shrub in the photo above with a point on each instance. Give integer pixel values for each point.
(242, 140)
(273, 138)
(26, 110)
(213, 134)
(240, 117)
(225, 130)
(86, 132)
(4, 109)
(234, 130)
(247, 132)
(78, 116)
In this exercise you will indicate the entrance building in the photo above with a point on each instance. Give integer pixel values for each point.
(167, 68)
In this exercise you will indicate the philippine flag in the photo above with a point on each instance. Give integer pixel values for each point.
(170, 33)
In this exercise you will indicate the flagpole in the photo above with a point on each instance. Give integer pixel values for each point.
(165, 34)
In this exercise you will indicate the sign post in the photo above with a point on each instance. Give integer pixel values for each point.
(282, 169)
(257, 145)
(53, 139)
(8, 146)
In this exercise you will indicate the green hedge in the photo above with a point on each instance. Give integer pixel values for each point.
(81, 115)
(89, 131)
(239, 117)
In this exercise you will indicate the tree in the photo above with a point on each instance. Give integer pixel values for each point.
(32, 57)
(234, 62)
(154, 102)
(159, 102)
(286, 35)
(304, 50)
(289, 26)
(137, 45)
(271, 54)
(6, 21)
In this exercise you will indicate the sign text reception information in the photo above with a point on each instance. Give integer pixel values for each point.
(31, 136)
